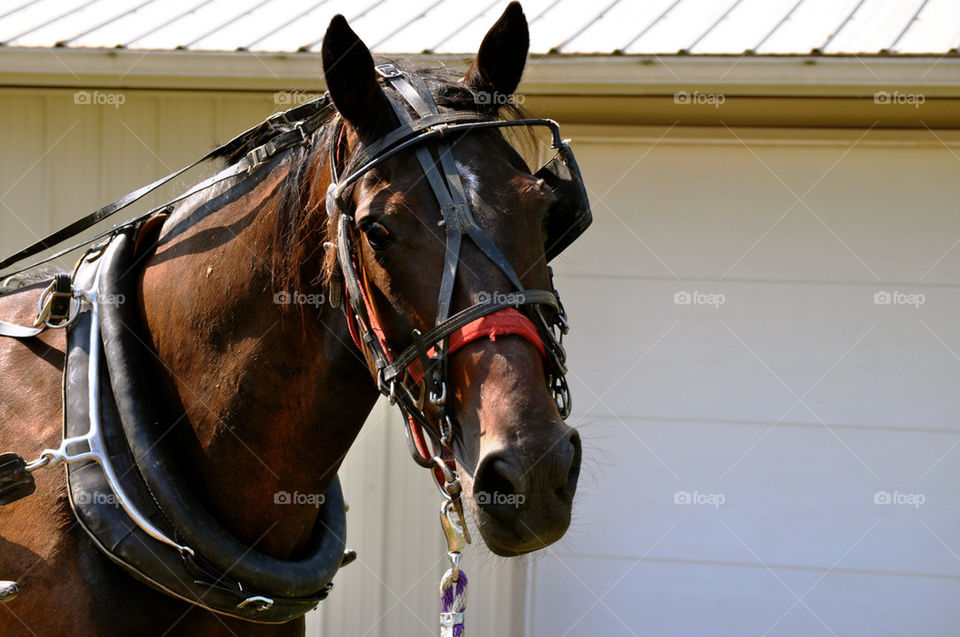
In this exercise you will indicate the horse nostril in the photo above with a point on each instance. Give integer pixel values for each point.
(569, 486)
(498, 481)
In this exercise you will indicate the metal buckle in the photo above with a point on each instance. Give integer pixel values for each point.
(388, 71)
(278, 121)
(257, 157)
(45, 312)
(303, 136)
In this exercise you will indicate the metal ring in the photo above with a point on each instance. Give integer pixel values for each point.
(70, 319)
(448, 475)
(446, 429)
(442, 398)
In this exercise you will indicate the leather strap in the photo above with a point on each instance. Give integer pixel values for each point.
(449, 191)
(406, 131)
(436, 131)
(54, 311)
(505, 322)
(461, 320)
(295, 125)
(19, 331)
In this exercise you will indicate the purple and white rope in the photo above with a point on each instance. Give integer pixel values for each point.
(453, 602)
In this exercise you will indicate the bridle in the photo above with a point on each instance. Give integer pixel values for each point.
(419, 372)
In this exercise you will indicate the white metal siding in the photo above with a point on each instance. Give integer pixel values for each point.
(797, 399)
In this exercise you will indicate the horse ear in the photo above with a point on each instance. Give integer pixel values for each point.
(499, 64)
(351, 79)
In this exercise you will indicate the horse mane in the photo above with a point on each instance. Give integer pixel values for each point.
(302, 213)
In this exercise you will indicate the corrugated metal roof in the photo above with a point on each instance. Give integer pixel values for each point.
(636, 27)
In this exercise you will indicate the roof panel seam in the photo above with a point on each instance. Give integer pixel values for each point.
(840, 28)
(284, 25)
(776, 27)
(403, 26)
(245, 12)
(458, 29)
(163, 25)
(713, 26)
(366, 10)
(52, 20)
(910, 23)
(649, 26)
(105, 23)
(556, 49)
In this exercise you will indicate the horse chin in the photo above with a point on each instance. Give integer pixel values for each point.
(509, 530)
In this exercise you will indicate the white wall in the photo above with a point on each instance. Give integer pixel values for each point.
(796, 400)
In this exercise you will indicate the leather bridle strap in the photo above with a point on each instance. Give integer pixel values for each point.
(505, 322)
(291, 127)
(447, 188)
(461, 321)
(462, 328)
(424, 130)
(19, 331)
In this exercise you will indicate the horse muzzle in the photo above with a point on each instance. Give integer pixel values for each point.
(522, 497)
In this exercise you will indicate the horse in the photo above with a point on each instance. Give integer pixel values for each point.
(260, 394)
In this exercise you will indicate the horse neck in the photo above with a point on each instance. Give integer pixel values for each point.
(272, 394)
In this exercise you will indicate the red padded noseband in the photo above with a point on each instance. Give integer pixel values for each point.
(505, 322)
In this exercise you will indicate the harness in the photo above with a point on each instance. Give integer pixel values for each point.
(409, 378)
(419, 372)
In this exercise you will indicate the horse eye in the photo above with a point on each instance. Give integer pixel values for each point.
(377, 235)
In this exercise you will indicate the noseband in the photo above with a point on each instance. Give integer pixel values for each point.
(419, 372)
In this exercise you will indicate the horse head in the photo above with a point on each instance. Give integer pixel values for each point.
(517, 459)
